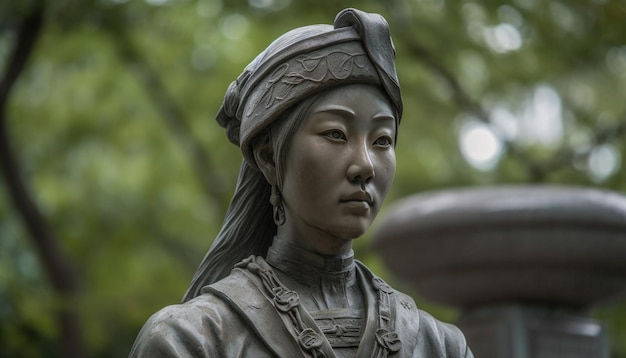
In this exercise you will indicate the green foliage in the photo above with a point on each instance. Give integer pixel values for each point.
(92, 120)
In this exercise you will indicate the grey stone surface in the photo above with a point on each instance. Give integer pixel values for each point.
(468, 247)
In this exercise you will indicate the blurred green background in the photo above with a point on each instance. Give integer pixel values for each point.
(109, 120)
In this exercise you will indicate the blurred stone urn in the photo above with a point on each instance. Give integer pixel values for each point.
(524, 264)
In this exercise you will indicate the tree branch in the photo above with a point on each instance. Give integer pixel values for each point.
(403, 21)
(174, 117)
(57, 265)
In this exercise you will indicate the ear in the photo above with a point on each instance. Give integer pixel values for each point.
(264, 157)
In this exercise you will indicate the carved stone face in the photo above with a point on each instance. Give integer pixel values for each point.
(338, 169)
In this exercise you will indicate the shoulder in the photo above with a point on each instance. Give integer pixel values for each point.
(443, 336)
(432, 336)
(189, 314)
(183, 329)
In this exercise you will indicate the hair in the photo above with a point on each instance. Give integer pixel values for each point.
(249, 227)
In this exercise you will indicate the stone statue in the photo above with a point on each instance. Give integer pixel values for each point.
(316, 116)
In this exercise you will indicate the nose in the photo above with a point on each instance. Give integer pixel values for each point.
(361, 168)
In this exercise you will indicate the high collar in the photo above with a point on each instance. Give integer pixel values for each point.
(305, 265)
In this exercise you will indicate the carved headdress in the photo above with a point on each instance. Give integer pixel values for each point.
(304, 61)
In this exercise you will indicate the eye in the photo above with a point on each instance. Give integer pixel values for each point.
(384, 141)
(335, 134)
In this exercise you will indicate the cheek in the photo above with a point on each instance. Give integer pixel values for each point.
(392, 168)
(315, 173)
(386, 172)
(306, 175)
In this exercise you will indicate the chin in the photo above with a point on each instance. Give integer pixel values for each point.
(351, 232)
(352, 235)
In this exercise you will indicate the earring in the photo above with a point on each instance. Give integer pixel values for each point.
(277, 204)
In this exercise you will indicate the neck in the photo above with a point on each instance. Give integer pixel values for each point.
(318, 242)
(329, 263)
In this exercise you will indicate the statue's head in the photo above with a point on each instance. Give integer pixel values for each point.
(316, 117)
(317, 113)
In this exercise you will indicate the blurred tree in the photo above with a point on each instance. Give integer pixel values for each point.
(110, 125)
(59, 270)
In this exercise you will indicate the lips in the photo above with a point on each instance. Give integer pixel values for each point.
(358, 197)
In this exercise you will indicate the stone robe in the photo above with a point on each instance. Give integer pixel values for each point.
(249, 314)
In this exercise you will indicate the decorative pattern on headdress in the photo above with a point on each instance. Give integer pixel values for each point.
(323, 67)
(304, 75)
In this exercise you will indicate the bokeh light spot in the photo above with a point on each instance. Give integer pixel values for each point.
(480, 147)
(604, 161)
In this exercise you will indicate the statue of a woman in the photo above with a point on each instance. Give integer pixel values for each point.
(316, 116)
